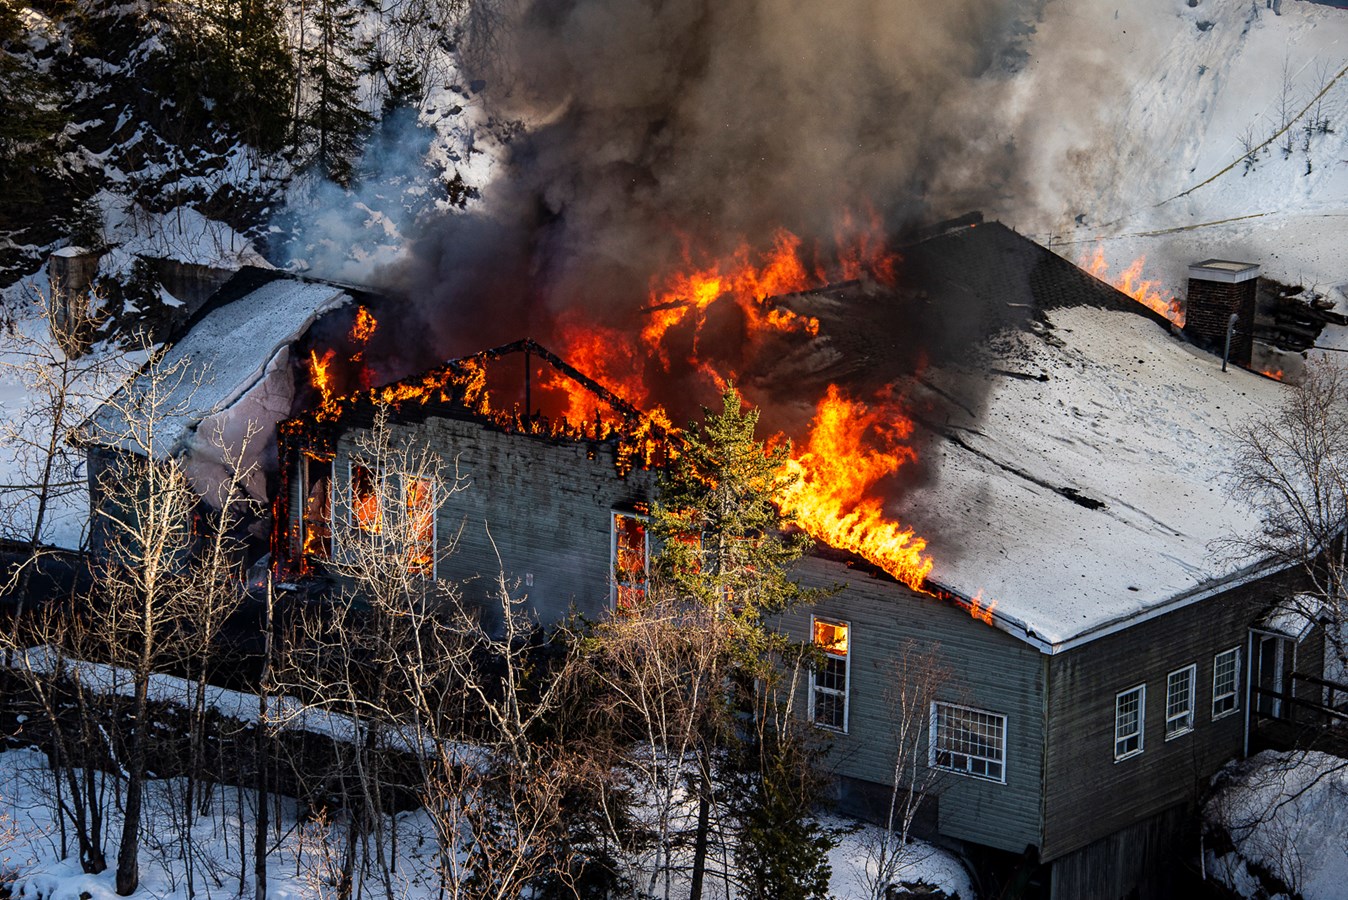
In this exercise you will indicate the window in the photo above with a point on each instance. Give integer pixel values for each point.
(1225, 681)
(629, 555)
(828, 681)
(1179, 702)
(968, 741)
(316, 513)
(1130, 708)
(364, 509)
(419, 496)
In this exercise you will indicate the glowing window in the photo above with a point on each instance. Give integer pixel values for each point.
(629, 556)
(1130, 709)
(1179, 702)
(364, 510)
(316, 514)
(1225, 682)
(828, 681)
(968, 741)
(419, 497)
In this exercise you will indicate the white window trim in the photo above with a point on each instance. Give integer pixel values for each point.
(1234, 693)
(1141, 691)
(613, 582)
(932, 741)
(846, 692)
(1191, 671)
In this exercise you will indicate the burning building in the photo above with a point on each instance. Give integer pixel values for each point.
(999, 455)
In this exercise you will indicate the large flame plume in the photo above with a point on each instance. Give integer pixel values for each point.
(850, 448)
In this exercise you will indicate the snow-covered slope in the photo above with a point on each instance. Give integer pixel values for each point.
(1140, 117)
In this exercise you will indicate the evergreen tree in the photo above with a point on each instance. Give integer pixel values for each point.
(29, 118)
(725, 546)
(334, 125)
(227, 67)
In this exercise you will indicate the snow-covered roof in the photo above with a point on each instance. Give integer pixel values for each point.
(225, 355)
(1292, 617)
(1090, 489)
(1072, 446)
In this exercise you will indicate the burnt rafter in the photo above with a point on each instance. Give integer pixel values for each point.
(529, 345)
(459, 387)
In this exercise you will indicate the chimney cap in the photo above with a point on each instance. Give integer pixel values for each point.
(1224, 270)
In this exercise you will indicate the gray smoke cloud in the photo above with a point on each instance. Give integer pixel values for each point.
(653, 124)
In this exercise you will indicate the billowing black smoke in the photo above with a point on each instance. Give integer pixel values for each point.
(659, 125)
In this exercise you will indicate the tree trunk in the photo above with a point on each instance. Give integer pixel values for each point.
(702, 836)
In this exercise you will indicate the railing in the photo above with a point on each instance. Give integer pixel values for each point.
(1290, 699)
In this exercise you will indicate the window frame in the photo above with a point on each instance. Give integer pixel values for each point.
(934, 750)
(1234, 694)
(376, 485)
(429, 572)
(816, 689)
(1188, 716)
(306, 462)
(1141, 733)
(615, 585)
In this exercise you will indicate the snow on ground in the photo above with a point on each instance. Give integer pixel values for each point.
(297, 869)
(1144, 109)
(181, 234)
(1287, 817)
(104, 369)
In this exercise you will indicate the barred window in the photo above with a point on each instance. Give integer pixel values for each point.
(1130, 708)
(968, 741)
(1225, 682)
(1179, 702)
(828, 681)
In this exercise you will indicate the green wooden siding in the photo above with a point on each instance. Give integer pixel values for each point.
(545, 504)
(990, 671)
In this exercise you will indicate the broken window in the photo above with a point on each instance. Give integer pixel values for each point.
(629, 555)
(828, 681)
(1129, 712)
(316, 515)
(968, 741)
(1179, 702)
(419, 496)
(365, 511)
(1225, 682)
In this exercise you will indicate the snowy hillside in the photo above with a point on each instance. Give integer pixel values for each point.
(1185, 133)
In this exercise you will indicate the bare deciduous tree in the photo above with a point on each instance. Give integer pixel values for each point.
(914, 678)
(1293, 469)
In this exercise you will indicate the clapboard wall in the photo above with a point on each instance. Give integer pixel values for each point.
(988, 670)
(536, 507)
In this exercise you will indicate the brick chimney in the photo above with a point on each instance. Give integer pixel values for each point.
(1218, 288)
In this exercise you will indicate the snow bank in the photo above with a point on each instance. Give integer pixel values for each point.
(1286, 816)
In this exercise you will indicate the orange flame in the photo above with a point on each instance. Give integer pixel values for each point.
(421, 519)
(833, 474)
(1275, 374)
(980, 610)
(748, 282)
(320, 375)
(362, 329)
(1131, 283)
